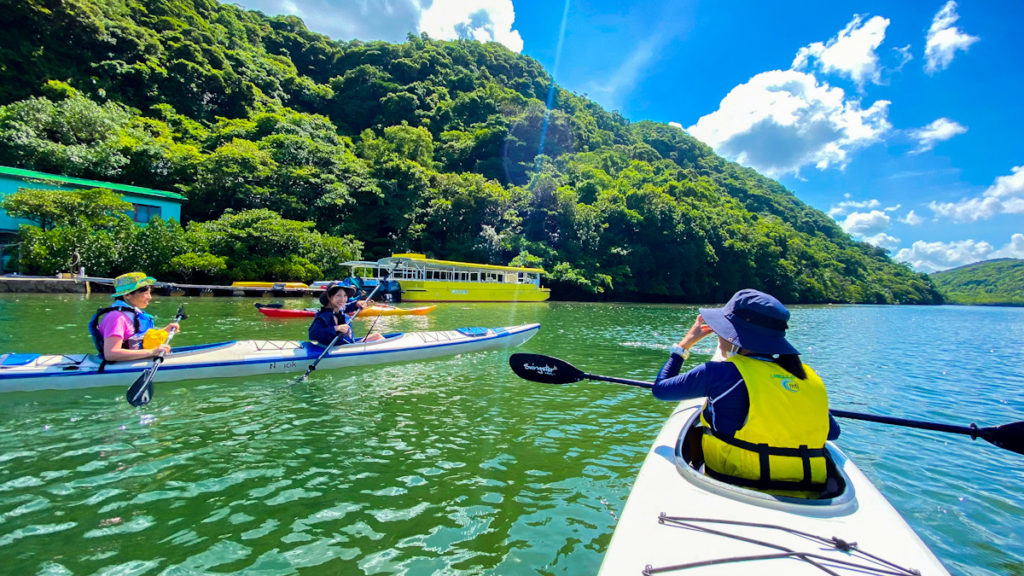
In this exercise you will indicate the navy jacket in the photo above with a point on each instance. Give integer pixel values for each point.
(322, 329)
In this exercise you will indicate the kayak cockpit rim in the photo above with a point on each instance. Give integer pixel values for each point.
(838, 499)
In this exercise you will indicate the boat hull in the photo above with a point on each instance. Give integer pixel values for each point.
(371, 312)
(650, 534)
(254, 357)
(444, 291)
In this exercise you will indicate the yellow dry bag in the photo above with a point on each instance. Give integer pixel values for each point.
(153, 338)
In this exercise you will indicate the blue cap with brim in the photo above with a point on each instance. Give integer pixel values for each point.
(752, 320)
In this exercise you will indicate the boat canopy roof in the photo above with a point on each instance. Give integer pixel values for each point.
(419, 260)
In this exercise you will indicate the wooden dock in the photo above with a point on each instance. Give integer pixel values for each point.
(89, 284)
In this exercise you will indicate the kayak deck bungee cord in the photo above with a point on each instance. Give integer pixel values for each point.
(677, 519)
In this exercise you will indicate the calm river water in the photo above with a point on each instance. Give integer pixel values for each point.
(455, 466)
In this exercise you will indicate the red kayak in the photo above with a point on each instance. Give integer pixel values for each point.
(370, 312)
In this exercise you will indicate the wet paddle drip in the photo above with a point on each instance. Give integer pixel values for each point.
(870, 564)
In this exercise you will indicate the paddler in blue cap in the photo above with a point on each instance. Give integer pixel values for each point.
(766, 418)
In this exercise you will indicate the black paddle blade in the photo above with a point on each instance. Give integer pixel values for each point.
(258, 305)
(1008, 436)
(141, 391)
(546, 369)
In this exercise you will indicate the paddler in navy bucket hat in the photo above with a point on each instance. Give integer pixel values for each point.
(753, 321)
(333, 323)
(766, 417)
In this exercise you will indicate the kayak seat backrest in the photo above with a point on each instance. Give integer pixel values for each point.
(17, 359)
(693, 453)
(473, 332)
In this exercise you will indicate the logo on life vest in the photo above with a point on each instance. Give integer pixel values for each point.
(790, 385)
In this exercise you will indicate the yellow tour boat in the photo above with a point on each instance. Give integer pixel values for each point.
(423, 279)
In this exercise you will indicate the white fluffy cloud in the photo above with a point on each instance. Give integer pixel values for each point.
(882, 240)
(938, 131)
(944, 39)
(866, 223)
(846, 206)
(935, 256)
(1005, 196)
(870, 227)
(391, 20)
(850, 53)
(911, 219)
(483, 20)
(782, 120)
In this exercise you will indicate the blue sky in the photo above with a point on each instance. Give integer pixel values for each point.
(902, 120)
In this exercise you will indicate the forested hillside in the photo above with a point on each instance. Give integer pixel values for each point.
(996, 282)
(441, 147)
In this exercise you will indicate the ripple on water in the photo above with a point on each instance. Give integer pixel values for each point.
(458, 467)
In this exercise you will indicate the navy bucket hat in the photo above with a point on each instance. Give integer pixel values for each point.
(753, 321)
(332, 289)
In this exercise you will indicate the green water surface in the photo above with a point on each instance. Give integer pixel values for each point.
(455, 466)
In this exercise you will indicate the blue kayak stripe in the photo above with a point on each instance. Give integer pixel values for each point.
(165, 367)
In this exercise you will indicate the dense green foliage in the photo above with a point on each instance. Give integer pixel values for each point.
(997, 282)
(445, 148)
(236, 246)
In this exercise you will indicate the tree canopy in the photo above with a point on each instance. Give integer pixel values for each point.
(995, 282)
(441, 147)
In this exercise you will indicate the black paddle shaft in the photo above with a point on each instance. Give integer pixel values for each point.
(549, 370)
(141, 391)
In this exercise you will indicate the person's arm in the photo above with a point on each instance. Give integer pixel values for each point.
(345, 328)
(323, 329)
(833, 428)
(671, 385)
(113, 352)
(116, 327)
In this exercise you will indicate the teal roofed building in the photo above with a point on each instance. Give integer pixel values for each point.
(146, 202)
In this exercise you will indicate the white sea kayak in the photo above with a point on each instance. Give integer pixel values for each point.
(20, 372)
(679, 521)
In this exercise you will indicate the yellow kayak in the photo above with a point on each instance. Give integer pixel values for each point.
(275, 311)
(269, 285)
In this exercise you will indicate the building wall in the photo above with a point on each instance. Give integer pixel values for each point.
(146, 206)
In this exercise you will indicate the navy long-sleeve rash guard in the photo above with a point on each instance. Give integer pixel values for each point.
(713, 379)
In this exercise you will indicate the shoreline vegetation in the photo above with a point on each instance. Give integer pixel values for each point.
(297, 152)
(998, 282)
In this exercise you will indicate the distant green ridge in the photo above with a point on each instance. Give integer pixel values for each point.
(998, 282)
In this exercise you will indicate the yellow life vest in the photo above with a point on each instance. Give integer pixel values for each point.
(781, 445)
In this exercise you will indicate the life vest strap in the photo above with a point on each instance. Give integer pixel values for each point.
(771, 450)
(804, 485)
(765, 452)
